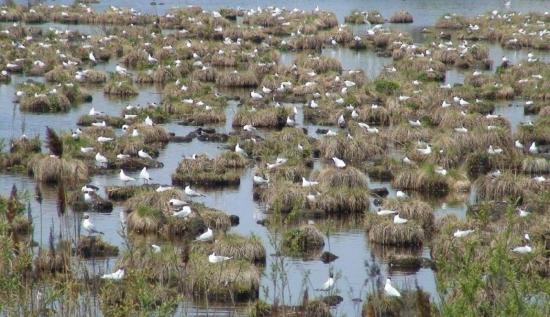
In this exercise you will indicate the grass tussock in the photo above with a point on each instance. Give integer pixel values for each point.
(304, 240)
(205, 171)
(95, 246)
(358, 149)
(49, 169)
(232, 279)
(423, 180)
(385, 232)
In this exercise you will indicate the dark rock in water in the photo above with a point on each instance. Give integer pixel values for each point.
(93, 246)
(531, 109)
(181, 139)
(377, 201)
(445, 35)
(234, 220)
(332, 300)
(382, 191)
(134, 164)
(213, 137)
(316, 153)
(410, 263)
(262, 222)
(97, 203)
(379, 173)
(321, 131)
(205, 130)
(328, 257)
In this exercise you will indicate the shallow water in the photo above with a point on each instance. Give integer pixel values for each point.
(348, 242)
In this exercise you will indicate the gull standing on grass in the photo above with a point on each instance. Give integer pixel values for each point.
(338, 162)
(143, 154)
(206, 236)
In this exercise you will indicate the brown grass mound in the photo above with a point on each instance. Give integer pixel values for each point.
(304, 240)
(504, 186)
(423, 180)
(237, 79)
(385, 232)
(358, 149)
(49, 169)
(414, 209)
(94, 246)
(348, 177)
(401, 17)
(232, 279)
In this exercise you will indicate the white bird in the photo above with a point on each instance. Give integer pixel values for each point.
(255, 95)
(116, 276)
(425, 151)
(494, 150)
(390, 290)
(148, 121)
(143, 154)
(259, 180)
(249, 127)
(290, 122)
(183, 213)
(206, 236)
(122, 156)
(93, 112)
(161, 188)
(399, 220)
(102, 139)
(151, 59)
(341, 121)
(135, 133)
(313, 104)
(213, 258)
(100, 158)
(87, 197)
(306, 183)
(523, 250)
(386, 212)
(401, 194)
(338, 162)
(445, 104)
(89, 188)
(125, 178)
(523, 213)
(441, 171)
(92, 57)
(518, 145)
(144, 175)
(239, 150)
(461, 129)
(89, 226)
(156, 248)
(191, 193)
(266, 90)
(121, 70)
(176, 202)
(533, 148)
(404, 98)
(463, 102)
(462, 233)
(407, 160)
(415, 123)
(329, 284)
(539, 179)
(100, 124)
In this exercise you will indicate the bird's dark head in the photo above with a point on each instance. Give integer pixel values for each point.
(86, 216)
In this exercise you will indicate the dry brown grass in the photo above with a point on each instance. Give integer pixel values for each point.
(48, 169)
(423, 180)
(237, 79)
(506, 186)
(417, 210)
(356, 150)
(401, 17)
